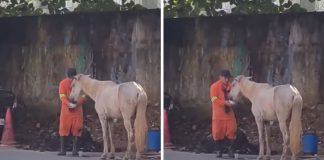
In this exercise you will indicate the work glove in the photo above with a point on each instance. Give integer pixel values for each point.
(228, 105)
(72, 106)
(231, 103)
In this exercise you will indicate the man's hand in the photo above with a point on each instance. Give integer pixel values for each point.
(228, 105)
(72, 105)
(231, 103)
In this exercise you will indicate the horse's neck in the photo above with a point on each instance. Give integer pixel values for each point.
(89, 86)
(248, 89)
(92, 86)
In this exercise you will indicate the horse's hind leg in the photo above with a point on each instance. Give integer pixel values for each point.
(267, 135)
(112, 146)
(103, 122)
(130, 136)
(284, 131)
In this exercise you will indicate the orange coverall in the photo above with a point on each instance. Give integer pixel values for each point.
(70, 120)
(223, 124)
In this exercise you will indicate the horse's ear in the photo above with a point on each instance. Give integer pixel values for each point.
(239, 78)
(77, 77)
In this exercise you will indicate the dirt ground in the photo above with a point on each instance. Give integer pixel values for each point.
(42, 134)
(191, 132)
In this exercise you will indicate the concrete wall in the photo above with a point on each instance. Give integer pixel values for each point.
(34, 52)
(277, 48)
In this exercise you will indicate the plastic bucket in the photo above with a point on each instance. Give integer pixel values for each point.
(154, 140)
(310, 143)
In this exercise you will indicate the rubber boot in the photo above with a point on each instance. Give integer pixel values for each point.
(75, 148)
(231, 149)
(62, 145)
(218, 145)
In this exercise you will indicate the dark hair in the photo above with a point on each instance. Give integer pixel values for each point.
(70, 72)
(226, 73)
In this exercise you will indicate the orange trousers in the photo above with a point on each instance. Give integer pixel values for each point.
(224, 128)
(72, 124)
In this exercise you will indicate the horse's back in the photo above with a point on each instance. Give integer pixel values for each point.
(131, 87)
(262, 104)
(130, 91)
(129, 94)
(283, 98)
(286, 91)
(263, 92)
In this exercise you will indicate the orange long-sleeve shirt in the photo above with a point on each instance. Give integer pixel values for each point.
(217, 97)
(70, 120)
(64, 91)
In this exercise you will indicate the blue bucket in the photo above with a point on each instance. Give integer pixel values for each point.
(310, 143)
(154, 140)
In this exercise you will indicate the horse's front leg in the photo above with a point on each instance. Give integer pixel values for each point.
(284, 131)
(130, 136)
(103, 122)
(259, 123)
(112, 146)
(267, 135)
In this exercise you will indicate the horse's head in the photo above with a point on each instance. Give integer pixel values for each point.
(235, 93)
(76, 90)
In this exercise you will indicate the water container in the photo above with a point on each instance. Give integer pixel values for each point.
(310, 143)
(154, 140)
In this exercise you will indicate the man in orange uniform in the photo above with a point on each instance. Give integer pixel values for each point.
(223, 118)
(71, 117)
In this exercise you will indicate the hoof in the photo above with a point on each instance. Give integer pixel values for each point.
(138, 156)
(103, 156)
(283, 157)
(75, 154)
(127, 156)
(112, 156)
(61, 154)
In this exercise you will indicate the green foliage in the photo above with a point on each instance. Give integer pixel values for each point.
(26, 8)
(189, 8)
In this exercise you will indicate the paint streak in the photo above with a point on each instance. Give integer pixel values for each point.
(85, 51)
(240, 57)
(67, 35)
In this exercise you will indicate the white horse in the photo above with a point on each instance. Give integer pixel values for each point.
(115, 101)
(272, 104)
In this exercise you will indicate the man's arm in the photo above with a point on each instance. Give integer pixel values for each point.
(214, 96)
(63, 96)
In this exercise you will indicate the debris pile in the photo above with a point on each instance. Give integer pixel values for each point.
(42, 135)
(190, 132)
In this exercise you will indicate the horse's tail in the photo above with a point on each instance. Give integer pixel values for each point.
(140, 122)
(295, 126)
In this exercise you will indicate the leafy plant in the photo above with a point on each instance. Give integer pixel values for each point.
(189, 8)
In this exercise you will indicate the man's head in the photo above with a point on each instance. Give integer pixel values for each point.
(71, 72)
(225, 75)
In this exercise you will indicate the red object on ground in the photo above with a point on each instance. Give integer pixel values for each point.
(167, 138)
(8, 136)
